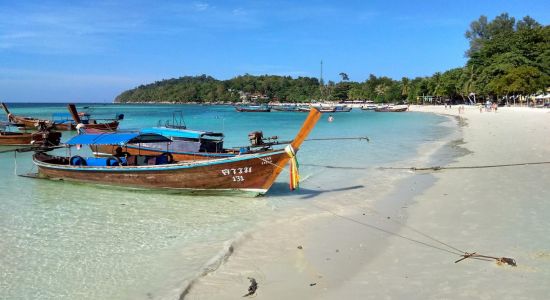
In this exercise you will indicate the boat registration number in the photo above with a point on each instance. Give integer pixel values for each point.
(235, 173)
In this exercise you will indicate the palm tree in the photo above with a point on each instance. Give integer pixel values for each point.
(405, 87)
(344, 76)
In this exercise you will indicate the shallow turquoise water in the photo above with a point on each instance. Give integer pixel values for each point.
(77, 241)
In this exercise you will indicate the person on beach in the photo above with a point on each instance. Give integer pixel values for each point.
(330, 118)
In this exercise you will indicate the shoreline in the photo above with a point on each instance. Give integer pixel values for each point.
(308, 232)
(445, 210)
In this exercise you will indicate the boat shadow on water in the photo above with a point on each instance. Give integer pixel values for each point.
(137, 190)
(280, 189)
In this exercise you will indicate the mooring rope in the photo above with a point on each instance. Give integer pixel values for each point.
(417, 231)
(455, 251)
(15, 163)
(452, 249)
(437, 168)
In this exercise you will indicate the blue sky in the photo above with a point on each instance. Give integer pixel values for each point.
(59, 51)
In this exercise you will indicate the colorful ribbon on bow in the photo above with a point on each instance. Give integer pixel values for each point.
(294, 168)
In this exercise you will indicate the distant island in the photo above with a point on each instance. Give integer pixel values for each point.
(506, 59)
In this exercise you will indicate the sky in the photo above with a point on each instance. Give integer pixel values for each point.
(91, 51)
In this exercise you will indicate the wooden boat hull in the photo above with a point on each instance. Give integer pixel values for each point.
(28, 123)
(26, 139)
(111, 126)
(109, 150)
(252, 173)
(64, 126)
(32, 123)
(15, 139)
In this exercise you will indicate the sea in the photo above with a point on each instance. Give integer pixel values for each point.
(62, 240)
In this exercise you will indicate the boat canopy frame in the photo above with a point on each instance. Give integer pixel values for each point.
(121, 139)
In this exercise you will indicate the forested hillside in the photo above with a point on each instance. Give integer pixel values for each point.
(506, 58)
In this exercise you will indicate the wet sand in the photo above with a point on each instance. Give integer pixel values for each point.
(403, 243)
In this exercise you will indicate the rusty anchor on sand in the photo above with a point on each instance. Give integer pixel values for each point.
(499, 260)
(252, 288)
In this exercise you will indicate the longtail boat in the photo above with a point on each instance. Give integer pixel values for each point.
(322, 109)
(253, 108)
(252, 172)
(389, 108)
(368, 107)
(342, 108)
(44, 137)
(84, 121)
(32, 123)
(292, 108)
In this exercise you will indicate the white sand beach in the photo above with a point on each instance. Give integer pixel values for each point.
(392, 248)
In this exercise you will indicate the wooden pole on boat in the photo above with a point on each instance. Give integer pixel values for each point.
(308, 125)
(306, 128)
(74, 113)
(5, 107)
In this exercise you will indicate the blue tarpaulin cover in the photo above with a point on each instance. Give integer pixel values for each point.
(180, 133)
(116, 139)
(62, 118)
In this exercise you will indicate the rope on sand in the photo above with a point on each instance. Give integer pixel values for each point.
(438, 168)
(450, 249)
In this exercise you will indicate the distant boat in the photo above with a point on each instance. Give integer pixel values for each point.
(292, 108)
(253, 108)
(390, 108)
(32, 123)
(83, 120)
(332, 108)
(63, 121)
(369, 107)
(342, 108)
(177, 121)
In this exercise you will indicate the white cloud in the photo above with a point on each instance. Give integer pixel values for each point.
(72, 29)
(239, 12)
(201, 6)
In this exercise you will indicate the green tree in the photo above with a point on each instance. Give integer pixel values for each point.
(344, 76)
